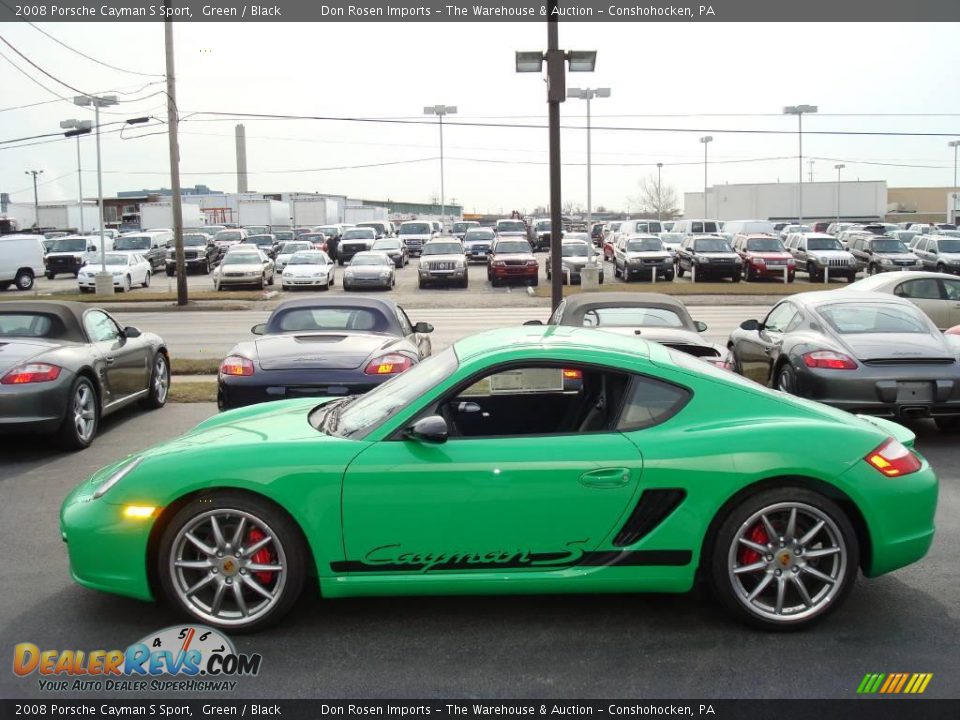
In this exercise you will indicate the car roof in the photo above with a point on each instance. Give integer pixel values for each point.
(578, 305)
(823, 297)
(70, 315)
(643, 236)
(550, 337)
(336, 302)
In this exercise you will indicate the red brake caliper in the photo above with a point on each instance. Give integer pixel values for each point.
(262, 556)
(758, 535)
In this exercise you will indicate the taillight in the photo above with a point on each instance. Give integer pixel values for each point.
(828, 360)
(572, 375)
(893, 459)
(388, 365)
(236, 365)
(31, 373)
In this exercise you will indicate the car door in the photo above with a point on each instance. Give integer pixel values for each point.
(951, 291)
(125, 360)
(758, 350)
(421, 340)
(928, 295)
(486, 501)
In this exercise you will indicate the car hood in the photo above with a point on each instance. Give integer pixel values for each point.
(470, 243)
(16, 352)
(451, 257)
(771, 255)
(648, 255)
(829, 253)
(897, 256)
(716, 255)
(514, 256)
(303, 270)
(366, 271)
(321, 350)
(898, 346)
(72, 253)
(241, 267)
(415, 236)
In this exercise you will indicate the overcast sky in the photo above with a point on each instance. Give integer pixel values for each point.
(662, 76)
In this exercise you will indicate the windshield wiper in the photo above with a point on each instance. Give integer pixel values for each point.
(331, 418)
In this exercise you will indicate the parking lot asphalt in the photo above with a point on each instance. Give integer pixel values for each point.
(648, 646)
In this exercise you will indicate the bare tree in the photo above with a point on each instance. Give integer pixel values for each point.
(572, 207)
(656, 200)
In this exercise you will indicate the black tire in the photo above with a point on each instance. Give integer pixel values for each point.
(535, 282)
(146, 280)
(340, 262)
(872, 269)
(420, 283)
(466, 283)
(69, 436)
(159, 388)
(812, 272)
(273, 278)
(206, 267)
(786, 379)
(127, 284)
(941, 268)
(844, 567)
(948, 424)
(680, 270)
(669, 276)
(171, 272)
(735, 278)
(50, 275)
(735, 361)
(24, 280)
(616, 269)
(851, 278)
(749, 274)
(288, 543)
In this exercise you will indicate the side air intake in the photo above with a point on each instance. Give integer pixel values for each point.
(652, 509)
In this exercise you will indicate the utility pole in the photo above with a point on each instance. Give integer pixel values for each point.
(810, 163)
(799, 111)
(440, 111)
(952, 215)
(706, 140)
(36, 201)
(838, 168)
(172, 121)
(659, 197)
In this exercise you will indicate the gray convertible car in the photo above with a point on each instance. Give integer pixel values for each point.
(65, 365)
(863, 352)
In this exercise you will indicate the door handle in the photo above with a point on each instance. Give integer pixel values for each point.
(606, 478)
(109, 360)
(768, 350)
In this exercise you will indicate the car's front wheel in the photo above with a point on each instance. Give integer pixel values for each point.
(232, 560)
(24, 280)
(784, 558)
(146, 279)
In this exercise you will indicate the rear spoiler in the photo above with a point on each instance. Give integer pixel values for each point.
(904, 435)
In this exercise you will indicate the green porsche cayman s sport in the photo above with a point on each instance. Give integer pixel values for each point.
(527, 460)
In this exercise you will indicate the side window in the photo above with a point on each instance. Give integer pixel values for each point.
(650, 402)
(696, 227)
(780, 317)
(557, 314)
(951, 289)
(99, 327)
(536, 400)
(795, 322)
(405, 325)
(926, 289)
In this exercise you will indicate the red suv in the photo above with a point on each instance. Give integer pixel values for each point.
(511, 259)
(763, 256)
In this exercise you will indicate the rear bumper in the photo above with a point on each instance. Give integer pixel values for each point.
(235, 392)
(35, 408)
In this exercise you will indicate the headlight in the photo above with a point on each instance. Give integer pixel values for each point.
(384, 273)
(117, 476)
(886, 261)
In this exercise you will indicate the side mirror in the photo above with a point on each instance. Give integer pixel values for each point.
(423, 327)
(701, 326)
(750, 325)
(259, 329)
(93, 248)
(131, 332)
(431, 429)
(534, 322)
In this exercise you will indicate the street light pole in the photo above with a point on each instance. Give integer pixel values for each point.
(953, 199)
(838, 168)
(799, 111)
(78, 128)
(659, 196)
(36, 200)
(706, 140)
(588, 94)
(440, 111)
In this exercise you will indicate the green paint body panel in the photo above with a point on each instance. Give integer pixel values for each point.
(515, 514)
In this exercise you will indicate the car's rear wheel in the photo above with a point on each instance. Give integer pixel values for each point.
(232, 561)
(24, 280)
(171, 272)
(82, 418)
(146, 280)
(680, 270)
(159, 386)
(784, 558)
(786, 380)
(127, 284)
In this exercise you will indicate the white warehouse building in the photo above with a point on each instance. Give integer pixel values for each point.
(854, 200)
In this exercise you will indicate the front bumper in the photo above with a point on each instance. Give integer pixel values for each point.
(373, 282)
(90, 281)
(722, 269)
(441, 277)
(225, 281)
(35, 407)
(304, 281)
(644, 270)
(515, 272)
(265, 386)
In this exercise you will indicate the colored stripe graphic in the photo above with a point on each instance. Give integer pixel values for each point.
(894, 683)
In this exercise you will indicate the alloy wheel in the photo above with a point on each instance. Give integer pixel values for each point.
(84, 412)
(228, 567)
(161, 379)
(787, 561)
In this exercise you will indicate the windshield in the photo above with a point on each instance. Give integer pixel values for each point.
(416, 229)
(632, 317)
(370, 260)
(460, 227)
(515, 246)
(541, 226)
(645, 245)
(228, 236)
(328, 230)
(650, 227)
(386, 244)
(950, 233)
(360, 414)
(324, 319)
(823, 244)
(307, 258)
(711, 245)
(188, 241)
(313, 237)
(575, 250)
(476, 235)
(241, 258)
(856, 318)
(259, 240)
(442, 249)
(292, 247)
(882, 245)
(797, 228)
(359, 234)
(511, 226)
(764, 245)
(284, 235)
(115, 259)
(75, 245)
(140, 242)
(255, 229)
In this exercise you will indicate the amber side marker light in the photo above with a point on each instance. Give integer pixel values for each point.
(139, 512)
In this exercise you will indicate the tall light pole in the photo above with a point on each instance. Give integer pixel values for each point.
(953, 198)
(838, 168)
(36, 199)
(76, 128)
(104, 280)
(173, 123)
(440, 111)
(659, 196)
(532, 61)
(706, 140)
(588, 94)
(799, 111)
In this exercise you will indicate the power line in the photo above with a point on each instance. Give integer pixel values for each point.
(34, 65)
(45, 182)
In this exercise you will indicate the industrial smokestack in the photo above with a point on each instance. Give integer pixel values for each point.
(241, 159)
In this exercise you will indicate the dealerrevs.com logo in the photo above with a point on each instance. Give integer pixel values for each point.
(201, 658)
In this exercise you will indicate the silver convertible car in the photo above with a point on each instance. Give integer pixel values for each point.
(64, 365)
(863, 352)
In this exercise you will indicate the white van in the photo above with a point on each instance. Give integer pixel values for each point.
(21, 260)
(629, 228)
(696, 227)
(750, 227)
(72, 252)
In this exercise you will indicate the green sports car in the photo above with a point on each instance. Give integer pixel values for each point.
(526, 460)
